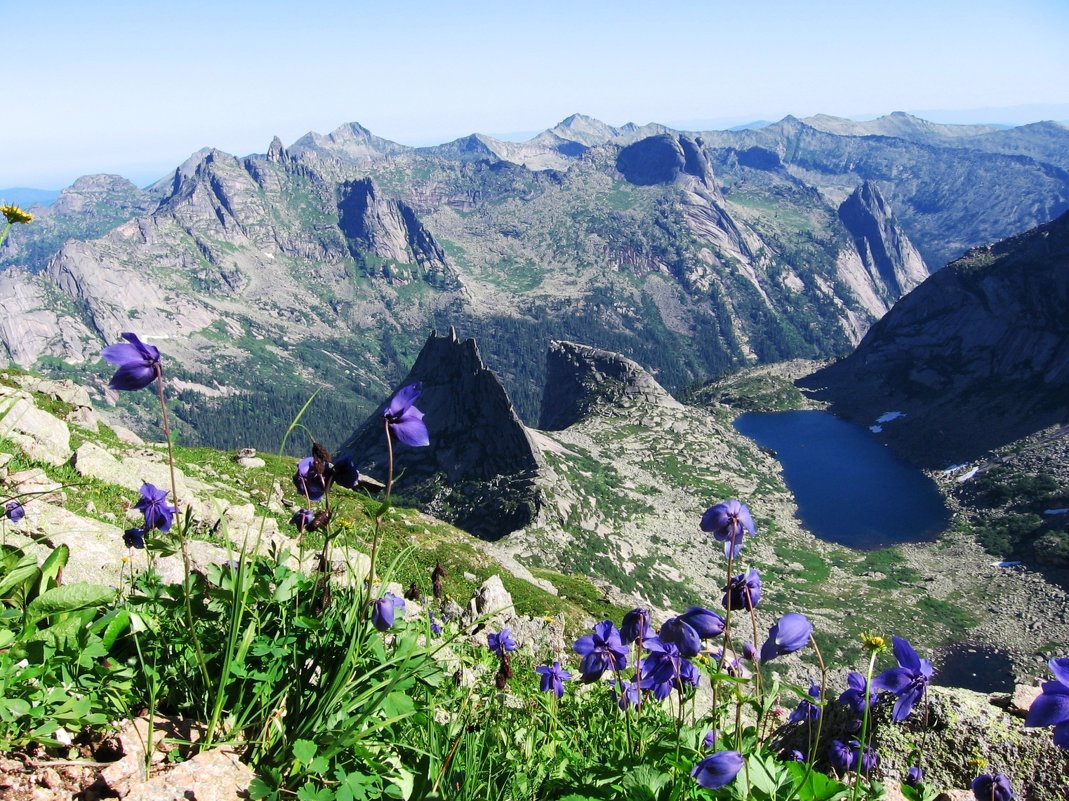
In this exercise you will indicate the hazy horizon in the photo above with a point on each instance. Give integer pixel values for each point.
(134, 89)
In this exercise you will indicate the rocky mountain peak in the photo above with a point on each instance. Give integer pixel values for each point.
(663, 159)
(581, 379)
(892, 265)
(390, 232)
(479, 470)
(276, 153)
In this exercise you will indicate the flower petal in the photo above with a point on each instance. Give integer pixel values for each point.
(905, 655)
(1048, 710)
(121, 354)
(411, 430)
(404, 398)
(894, 680)
(133, 376)
(1060, 668)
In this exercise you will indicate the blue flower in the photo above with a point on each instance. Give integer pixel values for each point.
(138, 363)
(303, 519)
(345, 474)
(13, 511)
(908, 681)
(309, 480)
(153, 503)
(134, 538)
(629, 695)
(789, 634)
(500, 643)
(914, 776)
(436, 627)
(553, 678)
(636, 626)
(404, 419)
(1051, 708)
(841, 756)
(384, 610)
(806, 709)
(854, 697)
(718, 770)
(603, 650)
(992, 788)
(729, 522)
(682, 635)
(743, 591)
(707, 624)
(665, 669)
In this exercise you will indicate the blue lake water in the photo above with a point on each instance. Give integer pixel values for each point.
(851, 489)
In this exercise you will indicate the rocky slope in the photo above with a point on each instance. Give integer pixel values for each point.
(976, 357)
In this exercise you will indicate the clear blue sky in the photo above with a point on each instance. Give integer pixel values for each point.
(135, 87)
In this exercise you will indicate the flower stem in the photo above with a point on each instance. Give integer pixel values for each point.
(864, 726)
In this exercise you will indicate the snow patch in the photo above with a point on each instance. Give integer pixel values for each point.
(887, 417)
(966, 476)
(875, 429)
(1006, 564)
(1055, 511)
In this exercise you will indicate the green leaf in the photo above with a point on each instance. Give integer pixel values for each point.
(259, 790)
(12, 708)
(817, 786)
(68, 598)
(24, 570)
(397, 705)
(55, 562)
(304, 751)
(309, 792)
(113, 625)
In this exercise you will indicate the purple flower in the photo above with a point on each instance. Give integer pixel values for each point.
(13, 511)
(855, 696)
(718, 770)
(749, 651)
(134, 538)
(153, 503)
(636, 626)
(404, 419)
(806, 709)
(302, 519)
(682, 635)
(709, 740)
(603, 650)
(384, 610)
(436, 627)
(729, 522)
(841, 756)
(500, 643)
(907, 681)
(308, 480)
(138, 363)
(743, 591)
(629, 695)
(665, 669)
(345, 473)
(1051, 708)
(789, 634)
(992, 788)
(707, 624)
(870, 760)
(914, 776)
(792, 755)
(553, 678)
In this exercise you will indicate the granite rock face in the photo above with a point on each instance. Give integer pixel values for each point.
(480, 470)
(581, 379)
(892, 265)
(976, 357)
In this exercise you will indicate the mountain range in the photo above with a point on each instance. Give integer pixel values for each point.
(325, 263)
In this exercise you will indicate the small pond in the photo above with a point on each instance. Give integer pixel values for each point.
(851, 489)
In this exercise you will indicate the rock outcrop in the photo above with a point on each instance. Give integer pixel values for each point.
(581, 380)
(480, 470)
(976, 357)
(892, 266)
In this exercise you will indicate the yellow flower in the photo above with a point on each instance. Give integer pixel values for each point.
(16, 215)
(873, 642)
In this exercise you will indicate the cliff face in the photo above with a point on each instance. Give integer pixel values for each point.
(976, 356)
(581, 380)
(892, 266)
(480, 469)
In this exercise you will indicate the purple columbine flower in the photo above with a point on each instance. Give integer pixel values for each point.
(553, 678)
(344, 473)
(789, 634)
(138, 363)
(854, 697)
(729, 522)
(636, 626)
(629, 694)
(841, 756)
(806, 709)
(914, 776)
(718, 770)
(709, 740)
(743, 591)
(907, 681)
(1051, 708)
(749, 651)
(682, 635)
(665, 669)
(13, 511)
(436, 627)
(308, 481)
(134, 538)
(603, 650)
(384, 611)
(404, 419)
(707, 624)
(870, 760)
(500, 643)
(992, 788)
(303, 519)
(153, 503)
